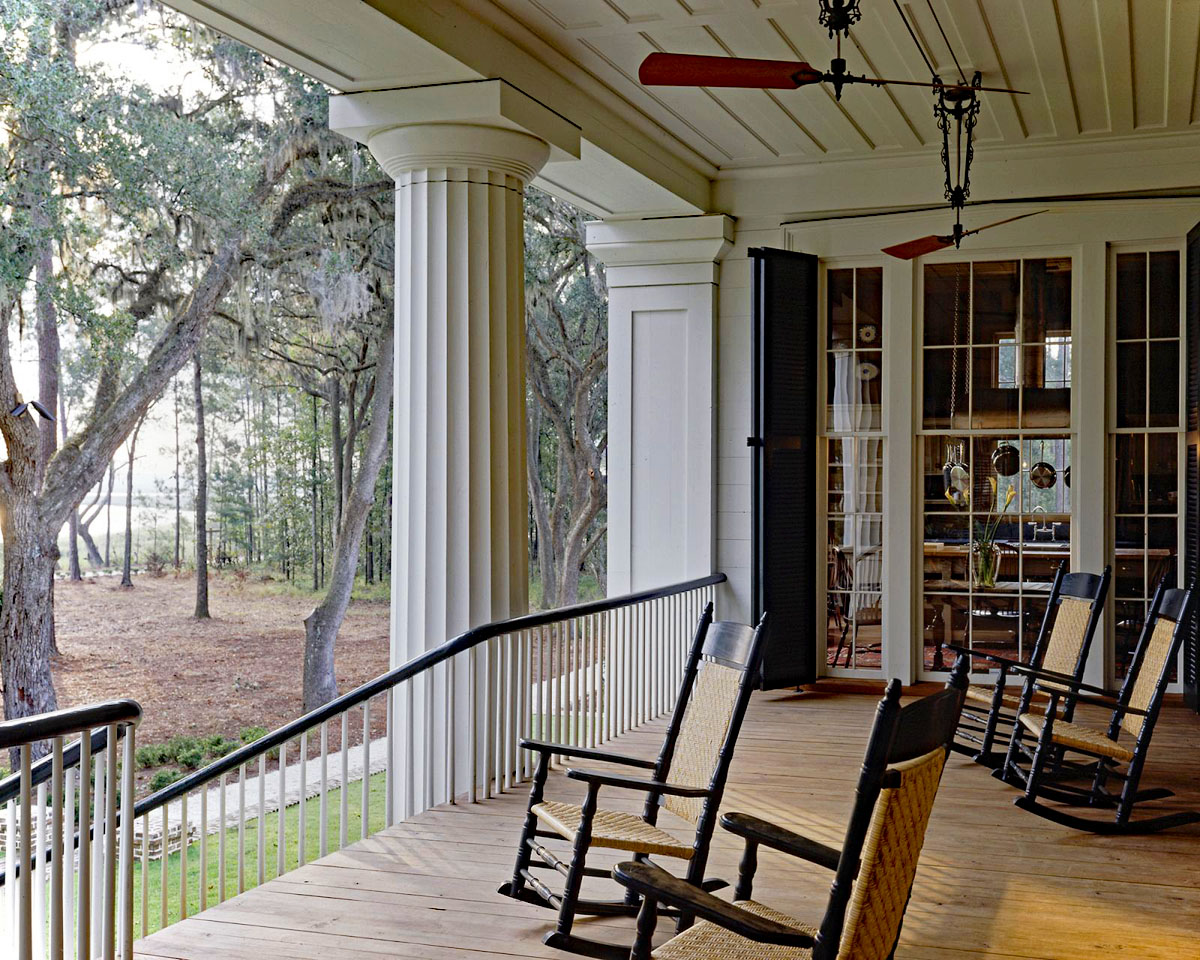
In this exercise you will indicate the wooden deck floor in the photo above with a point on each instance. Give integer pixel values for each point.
(993, 882)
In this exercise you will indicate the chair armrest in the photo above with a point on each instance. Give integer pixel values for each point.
(626, 782)
(779, 838)
(993, 657)
(654, 883)
(1107, 700)
(603, 756)
(1063, 679)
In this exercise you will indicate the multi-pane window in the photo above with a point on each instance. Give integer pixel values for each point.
(995, 449)
(854, 466)
(1145, 436)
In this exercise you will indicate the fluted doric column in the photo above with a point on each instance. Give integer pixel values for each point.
(461, 156)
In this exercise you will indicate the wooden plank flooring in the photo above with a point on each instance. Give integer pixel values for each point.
(994, 881)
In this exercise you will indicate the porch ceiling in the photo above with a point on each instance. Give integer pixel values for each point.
(1094, 69)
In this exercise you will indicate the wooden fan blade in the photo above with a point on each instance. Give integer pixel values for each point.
(686, 70)
(998, 223)
(911, 249)
(949, 87)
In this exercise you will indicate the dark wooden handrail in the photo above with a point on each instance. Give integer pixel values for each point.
(128, 711)
(406, 671)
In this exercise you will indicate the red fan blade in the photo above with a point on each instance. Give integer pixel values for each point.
(685, 70)
(911, 249)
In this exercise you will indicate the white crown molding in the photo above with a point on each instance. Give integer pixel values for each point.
(669, 250)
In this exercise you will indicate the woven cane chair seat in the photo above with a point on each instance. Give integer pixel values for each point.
(1078, 736)
(621, 831)
(984, 695)
(707, 941)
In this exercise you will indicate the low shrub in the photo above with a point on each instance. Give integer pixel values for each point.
(155, 564)
(151, 755)
(164, 778)
(250, 734)
(190, 757)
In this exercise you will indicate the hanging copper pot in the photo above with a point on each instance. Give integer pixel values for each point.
(1006, 459)
(1043, 475)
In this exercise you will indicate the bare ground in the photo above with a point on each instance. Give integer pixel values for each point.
(242, 668)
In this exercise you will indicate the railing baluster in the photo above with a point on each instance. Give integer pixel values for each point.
(451, 729)
(472, 725)
(83, 940)
(241, 851)
(390, 776)
(427, 748)
(128, 788)
(145, 874)
(57, 848)
(261, 821)
(364, 828)
(323, 828)
(23, 841)
(302, 809)
(183, 852)
(41, 826)
(110, 845)
(202, 892)
(164, 889)
(98, 853)
(489, 718)
(344, 808)
(12, 893)
(222, 829)
(281, 836)
(67, 852)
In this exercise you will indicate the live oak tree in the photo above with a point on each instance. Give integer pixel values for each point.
(151, 207)
(567, 363)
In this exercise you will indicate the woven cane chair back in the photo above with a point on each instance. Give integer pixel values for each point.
(1151, 668)
(889, 857)
(702, 734)
(1067, 637)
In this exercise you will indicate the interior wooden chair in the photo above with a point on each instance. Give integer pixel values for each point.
(722, 669)
(1074, 610)
(1134, 712)
(873, 872)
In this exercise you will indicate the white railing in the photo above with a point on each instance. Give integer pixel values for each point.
(443, 728)
(68, 868)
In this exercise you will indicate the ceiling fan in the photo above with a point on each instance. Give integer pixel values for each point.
(911, 249)
(956, 104)
(687, 70)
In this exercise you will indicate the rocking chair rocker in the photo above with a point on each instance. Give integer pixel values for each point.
(688, 778)
(1134, 712)
(1073, 612)
(873, 872)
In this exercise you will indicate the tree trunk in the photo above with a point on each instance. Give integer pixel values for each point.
(75, 573)
(127, 562)
(112, 475)
(316, 516)
(322, 625)
(178, 501)
(29, 559)
(201, 495)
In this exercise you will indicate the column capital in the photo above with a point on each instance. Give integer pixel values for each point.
(663, 251)
(487, 123)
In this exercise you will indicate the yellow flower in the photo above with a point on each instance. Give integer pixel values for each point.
(1008, 498)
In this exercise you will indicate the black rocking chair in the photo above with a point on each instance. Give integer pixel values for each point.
(1073, 612)
(1134, 712)
(688, 778)
(873, 872)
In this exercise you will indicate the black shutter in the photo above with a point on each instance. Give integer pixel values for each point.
(784, 495)
(1191, 534)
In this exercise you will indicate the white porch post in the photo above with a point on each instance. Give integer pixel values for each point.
(461, 156)
(662, 322)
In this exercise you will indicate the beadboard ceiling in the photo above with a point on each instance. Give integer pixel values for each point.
(1095, 69)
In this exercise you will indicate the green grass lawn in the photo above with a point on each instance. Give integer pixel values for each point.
(271, 830)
